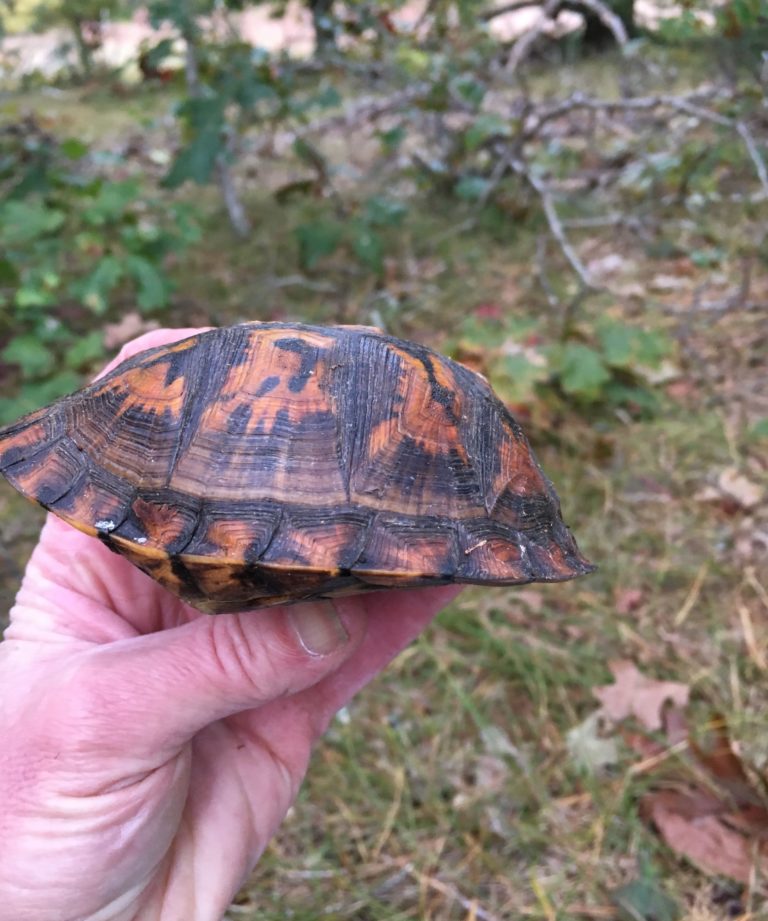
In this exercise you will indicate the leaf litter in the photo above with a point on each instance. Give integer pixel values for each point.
(704, 801)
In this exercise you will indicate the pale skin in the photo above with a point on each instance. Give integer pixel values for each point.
(148, 752)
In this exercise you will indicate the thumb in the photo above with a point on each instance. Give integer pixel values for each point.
(161, 689)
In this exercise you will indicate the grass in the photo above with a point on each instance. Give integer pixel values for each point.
(447, 790)
(464, 738)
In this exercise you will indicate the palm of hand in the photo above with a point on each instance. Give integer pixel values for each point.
(150, 751)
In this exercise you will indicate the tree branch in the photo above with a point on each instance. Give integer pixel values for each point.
(553, 220)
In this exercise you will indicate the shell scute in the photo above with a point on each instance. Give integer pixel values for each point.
(274, 462)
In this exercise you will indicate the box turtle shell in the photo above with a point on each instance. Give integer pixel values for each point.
(268, 463)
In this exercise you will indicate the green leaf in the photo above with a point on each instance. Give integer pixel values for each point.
(516, 376)
(638, 397)
(94, 289)
(708, 258)
(368, 247)
(310, 154)
(155, 56)
(643, 900)
(582, 371)
(326, 98)
(381, 211)
(472, 188)
(73, 148)
(31, 295)
(153, 286)
(317, 240)
(203, 112)
(85, 351)
(34, 359)
(36, 178)
(111, 201)
(618, 343)
(625, 346)
(759, 429)
(485, 126)
(392, 139)
(9, 274)
(22, 222)
(249, 90)
(470, 89)
(414, 61)
(197, 160)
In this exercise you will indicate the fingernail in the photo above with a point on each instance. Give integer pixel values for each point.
(318, 627)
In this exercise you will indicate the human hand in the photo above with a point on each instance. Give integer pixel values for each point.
(148, 752)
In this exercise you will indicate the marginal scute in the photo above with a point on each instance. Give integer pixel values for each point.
(273, 462)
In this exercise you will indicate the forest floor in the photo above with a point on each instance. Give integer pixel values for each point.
(484, 775)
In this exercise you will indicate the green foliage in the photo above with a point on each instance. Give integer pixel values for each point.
(231, 87)
(362, 234)
(738, 27)
(73, 240)
(610, 363)
(318, 239)
(645, 900)
(581, 370)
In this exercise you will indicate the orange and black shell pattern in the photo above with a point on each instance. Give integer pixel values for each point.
(268, 463)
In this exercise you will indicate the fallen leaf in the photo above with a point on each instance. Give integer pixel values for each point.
(588, 748)
(682, 390)
(629, 600)
(706, 804)
(634, 694)
(129, 327)
(727, 769)
(739, 488)
(704, 839)
(488, 310)
(609, 264)
(668, 283)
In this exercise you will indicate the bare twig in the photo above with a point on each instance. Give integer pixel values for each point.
(553, 220)
(299, 281)
(754, 153)
(687, 104)
(524, 45)
(736, 299)
(450, 892)
(235, 209)
(610, 20)
(541, 271)
(236, 212)
(364, 111)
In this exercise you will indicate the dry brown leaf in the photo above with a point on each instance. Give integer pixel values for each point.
(739, 488)
(727, 769)
(131, 326)
(692, 830)
(668, 283)
(636, 695)
(707, 806)
(629, 600)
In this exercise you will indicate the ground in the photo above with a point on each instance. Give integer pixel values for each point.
(452, 787)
